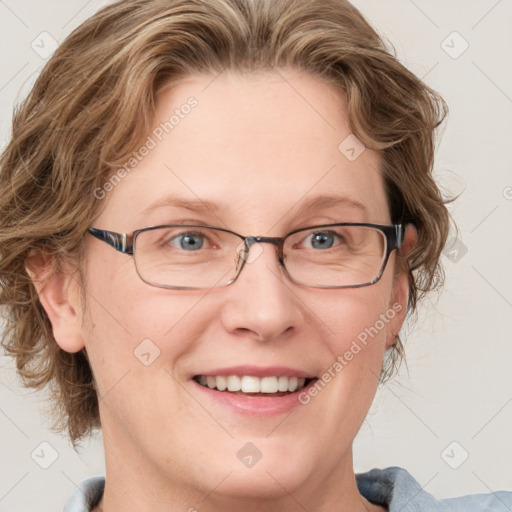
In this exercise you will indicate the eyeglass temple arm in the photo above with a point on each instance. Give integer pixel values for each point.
(119, 241)
(399, 235)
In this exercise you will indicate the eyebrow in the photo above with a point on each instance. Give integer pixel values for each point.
(194, 205)
(329, 201)
(205, 206)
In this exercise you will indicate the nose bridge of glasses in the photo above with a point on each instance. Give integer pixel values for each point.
(251, 240)
(244, 253)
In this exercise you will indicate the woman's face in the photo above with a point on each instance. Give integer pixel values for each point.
(251, 155)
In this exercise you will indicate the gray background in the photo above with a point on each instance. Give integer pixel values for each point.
(448, 420)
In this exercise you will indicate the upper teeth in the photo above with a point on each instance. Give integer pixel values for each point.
(250, 384)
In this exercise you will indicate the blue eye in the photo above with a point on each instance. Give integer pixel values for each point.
(322, 239)
(188, 241)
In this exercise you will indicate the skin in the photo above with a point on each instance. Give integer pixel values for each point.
(258, 149)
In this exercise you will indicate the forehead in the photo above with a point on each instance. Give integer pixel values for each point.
(256, 147)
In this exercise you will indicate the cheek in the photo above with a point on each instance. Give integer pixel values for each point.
(359, 319)
(120, 303)
(360, 322)
(135, 349)
(132, 327)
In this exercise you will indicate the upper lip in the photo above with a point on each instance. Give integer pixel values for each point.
(258, 371)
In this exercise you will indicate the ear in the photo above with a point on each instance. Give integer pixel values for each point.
(57, 290)
(400, 294)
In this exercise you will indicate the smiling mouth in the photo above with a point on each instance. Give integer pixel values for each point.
(248, 385)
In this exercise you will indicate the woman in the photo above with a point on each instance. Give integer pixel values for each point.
(215, 218)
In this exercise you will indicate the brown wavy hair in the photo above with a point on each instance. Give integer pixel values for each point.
(94, 101)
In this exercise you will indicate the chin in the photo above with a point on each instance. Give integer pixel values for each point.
(262, 483)
(262, 468)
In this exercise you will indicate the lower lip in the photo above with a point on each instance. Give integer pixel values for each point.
(256, 405)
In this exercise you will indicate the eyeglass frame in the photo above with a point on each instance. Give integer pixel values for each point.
(125, 243)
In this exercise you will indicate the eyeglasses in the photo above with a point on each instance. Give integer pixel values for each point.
(188, 257)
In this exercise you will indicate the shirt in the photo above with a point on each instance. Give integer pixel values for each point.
(392, 487)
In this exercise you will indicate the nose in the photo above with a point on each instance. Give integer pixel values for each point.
(262, 303)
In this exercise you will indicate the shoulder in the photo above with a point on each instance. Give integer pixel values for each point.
(86, 495)
(395, 488)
